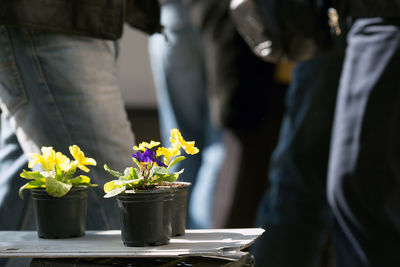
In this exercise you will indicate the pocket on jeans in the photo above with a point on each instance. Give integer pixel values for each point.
(12, 91)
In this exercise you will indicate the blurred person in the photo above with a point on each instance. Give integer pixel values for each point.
(246, 103)
(363, 182)
(58, 87)
(294, 211)
(363, 178)
(213, 88)
(178, 65)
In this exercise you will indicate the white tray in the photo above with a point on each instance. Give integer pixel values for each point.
(209, 242)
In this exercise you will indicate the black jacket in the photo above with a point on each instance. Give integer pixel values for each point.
(368, 8)
(92, 18)
(240, 84)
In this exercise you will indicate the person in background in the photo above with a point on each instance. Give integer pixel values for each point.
(58, 87)
(295, 211)
(363, 177)
(179, 69)
(211, 86)
(245, 103)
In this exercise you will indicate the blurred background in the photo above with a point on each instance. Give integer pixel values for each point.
(137, 85)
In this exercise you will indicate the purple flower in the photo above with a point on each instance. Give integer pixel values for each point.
(148, 156)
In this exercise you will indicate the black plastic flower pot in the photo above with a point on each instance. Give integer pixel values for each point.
(179, 208)
(145, 217)
(60, 217)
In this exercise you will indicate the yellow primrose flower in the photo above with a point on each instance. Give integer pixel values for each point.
(49, 156)
(37, 159)
(162, 151)
(142, 146)
(190, 148)
(62, 161)
(46, 160)
(168, 153)
(176, 137)
(80, 158)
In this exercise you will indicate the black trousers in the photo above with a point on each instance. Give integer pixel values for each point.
(364, 168)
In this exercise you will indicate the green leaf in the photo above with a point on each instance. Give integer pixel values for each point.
(115, 192)
(158, 170)
(124, 182)
(179, 172)
(115, 184)
(37, 183)
(127, 172)
(30, 175)
(176, 160)
(165, 178)
(56, 188)
(71, 171)
(160, 174)
(136, 161)
(80, 180)
(130, 174)
(41, 182)
(134, 173)
(109, 186)
(113, 173)
(21, 189)
(171, 177)
(59, 174)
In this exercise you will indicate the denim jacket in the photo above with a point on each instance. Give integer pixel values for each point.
(93, 18)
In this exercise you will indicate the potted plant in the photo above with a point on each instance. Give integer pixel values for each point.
(59, 197)
(145, 193)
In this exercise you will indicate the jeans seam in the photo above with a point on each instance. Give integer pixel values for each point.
(117, 50)
(43, 79)
(23, 99)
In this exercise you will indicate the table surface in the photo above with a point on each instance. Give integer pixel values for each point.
(208, 242)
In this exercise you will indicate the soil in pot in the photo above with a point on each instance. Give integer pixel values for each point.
(145, 217)
(179, 208)
(60, 217)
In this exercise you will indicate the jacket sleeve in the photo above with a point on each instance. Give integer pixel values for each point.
(144, 15)
(99, 19)
(239, 82)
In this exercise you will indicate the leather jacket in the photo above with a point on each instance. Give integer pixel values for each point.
(93, 18)
(368, 8)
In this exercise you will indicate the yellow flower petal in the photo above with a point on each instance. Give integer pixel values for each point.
(49, 156)
(175, 150)
(162, 151)
(90, 161)
(62, 161)
(83, 168)
(142, 146)
(80, 158)
(190, 148)
(47, 151)
(176, 138)
(36, 159)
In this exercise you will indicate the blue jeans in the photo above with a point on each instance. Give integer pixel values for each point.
(179, 74)
(58, 90)
(364, 172)
(294, 211)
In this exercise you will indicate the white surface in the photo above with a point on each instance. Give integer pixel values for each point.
(217, 242)
(134, 72)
